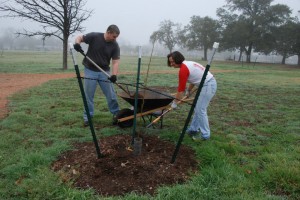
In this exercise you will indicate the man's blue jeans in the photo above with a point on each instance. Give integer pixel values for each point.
(91, 80)
(200, 118)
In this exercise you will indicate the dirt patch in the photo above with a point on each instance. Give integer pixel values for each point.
(13, 83)
(120, 171)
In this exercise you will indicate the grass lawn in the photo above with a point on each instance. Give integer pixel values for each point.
(253, 152)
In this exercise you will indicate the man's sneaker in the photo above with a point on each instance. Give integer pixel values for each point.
(86, 123)
(199, 137)
(115, 120)
(192, 133)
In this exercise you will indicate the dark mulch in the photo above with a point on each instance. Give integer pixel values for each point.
(119, 171)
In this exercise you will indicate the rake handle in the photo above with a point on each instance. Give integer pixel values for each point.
(169, 109)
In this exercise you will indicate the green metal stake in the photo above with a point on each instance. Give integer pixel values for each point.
(85, 104)
(136, 94)
(215, 46)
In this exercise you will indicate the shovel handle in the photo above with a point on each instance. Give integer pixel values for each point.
(82, 53)
(108, 76)
(97, 66)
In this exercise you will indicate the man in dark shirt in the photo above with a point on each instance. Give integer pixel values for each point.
(102, 48)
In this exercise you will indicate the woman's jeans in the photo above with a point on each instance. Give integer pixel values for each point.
(200, 118)
(91, 80)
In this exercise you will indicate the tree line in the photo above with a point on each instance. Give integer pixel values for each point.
(242, 25)
(246, 26)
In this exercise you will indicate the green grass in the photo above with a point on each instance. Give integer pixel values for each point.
(51, 62)
(253, 152)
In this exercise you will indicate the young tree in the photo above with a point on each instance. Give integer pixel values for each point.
(200, 34)
(154, 37)
(258, 16)
(58, 18)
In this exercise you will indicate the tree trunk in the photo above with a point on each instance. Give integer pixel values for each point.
(205, 53)
(299, 60)
(241, 54)
(283, 59)
(65, 52)
(248, 53)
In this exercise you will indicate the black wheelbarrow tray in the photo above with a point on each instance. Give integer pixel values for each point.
(149, 102)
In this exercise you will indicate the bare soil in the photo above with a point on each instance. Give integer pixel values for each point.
(13, 83)
(117, 171)
(120, 171)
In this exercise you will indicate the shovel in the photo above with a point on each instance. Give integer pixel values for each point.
(108, 76)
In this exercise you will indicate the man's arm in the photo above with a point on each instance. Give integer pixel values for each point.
(77, 46)
(115, 67)
(79, 39)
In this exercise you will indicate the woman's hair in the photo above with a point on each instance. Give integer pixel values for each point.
(177, 57)
(113, 29)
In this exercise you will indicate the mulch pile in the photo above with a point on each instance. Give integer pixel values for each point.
(119, 171)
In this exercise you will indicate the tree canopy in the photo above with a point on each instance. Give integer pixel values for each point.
(167, 34)
(200, 34)
(254, 18)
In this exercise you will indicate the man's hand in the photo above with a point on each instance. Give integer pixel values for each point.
(113, 78)
(174, 105)
(78, 48)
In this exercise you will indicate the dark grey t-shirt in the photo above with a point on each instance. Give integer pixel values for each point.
(100, 51)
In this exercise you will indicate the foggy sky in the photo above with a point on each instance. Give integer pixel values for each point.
(138, 19)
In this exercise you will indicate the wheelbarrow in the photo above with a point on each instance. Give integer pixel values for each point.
(150, 103)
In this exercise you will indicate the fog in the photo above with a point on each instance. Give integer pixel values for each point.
(138, 19)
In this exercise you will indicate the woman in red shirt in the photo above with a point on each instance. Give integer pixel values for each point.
(192, 72)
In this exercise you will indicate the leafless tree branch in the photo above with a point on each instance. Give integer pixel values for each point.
(58, 18)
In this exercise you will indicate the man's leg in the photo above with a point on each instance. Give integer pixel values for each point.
(110, 94)
(90, 84)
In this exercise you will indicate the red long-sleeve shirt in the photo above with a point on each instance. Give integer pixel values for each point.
(191, 72)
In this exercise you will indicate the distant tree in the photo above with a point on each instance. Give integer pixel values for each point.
(235, 37)
(166, 34)
(200, 34)
(282, 40)
(7, 40)
(296, 44)
(58, 18)
(257, 17)
(234, 32)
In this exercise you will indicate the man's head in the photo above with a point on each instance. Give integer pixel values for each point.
(112, 33)
(175, 59)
